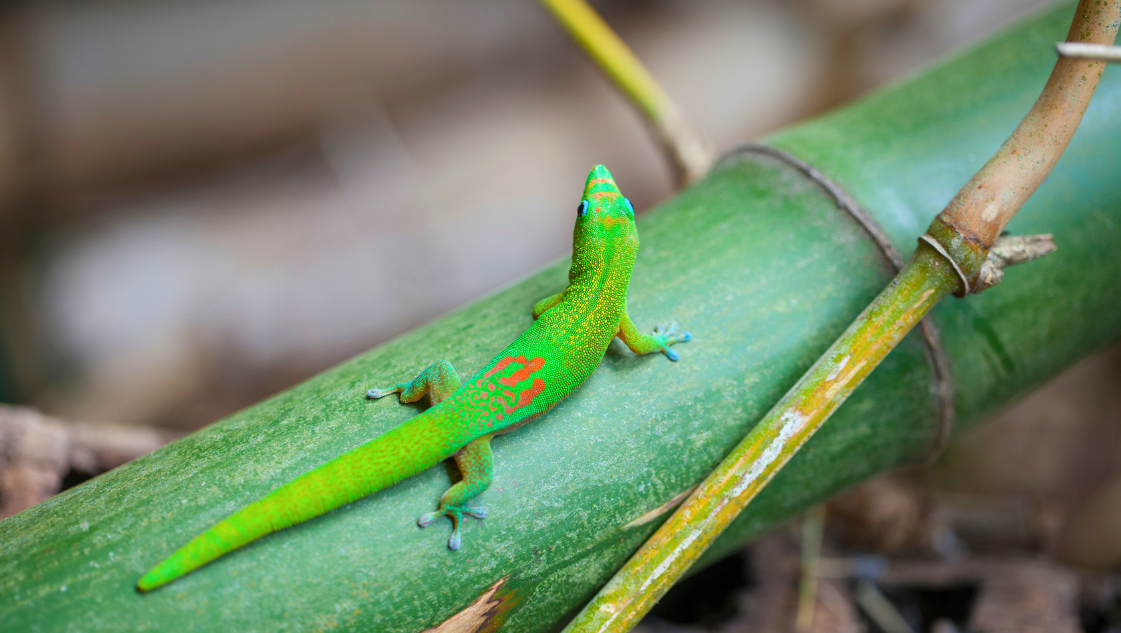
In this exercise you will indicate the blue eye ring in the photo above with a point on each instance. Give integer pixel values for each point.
(630, 207)
(582, 210)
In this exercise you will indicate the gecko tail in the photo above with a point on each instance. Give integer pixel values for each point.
(243, 527)
(374, 466)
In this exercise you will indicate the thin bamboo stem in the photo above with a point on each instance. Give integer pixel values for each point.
(769, 445)
(688, 152)
(948, 257)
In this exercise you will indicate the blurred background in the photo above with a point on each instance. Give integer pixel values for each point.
(203, 203)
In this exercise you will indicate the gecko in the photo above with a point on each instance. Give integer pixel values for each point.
(565, 343)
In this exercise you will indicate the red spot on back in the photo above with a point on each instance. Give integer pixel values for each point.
(503, 364)
(527, 396)
(526, 369)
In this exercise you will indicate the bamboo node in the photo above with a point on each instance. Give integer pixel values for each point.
(965, 253)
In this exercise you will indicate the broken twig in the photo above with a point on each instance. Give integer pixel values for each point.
(1095, 52)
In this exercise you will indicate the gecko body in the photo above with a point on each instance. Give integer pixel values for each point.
(561, 349)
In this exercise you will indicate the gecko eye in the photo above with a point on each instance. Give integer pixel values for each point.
(582, 210)
(630, 208)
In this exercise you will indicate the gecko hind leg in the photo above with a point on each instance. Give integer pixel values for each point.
(476, 464)
(438, 381)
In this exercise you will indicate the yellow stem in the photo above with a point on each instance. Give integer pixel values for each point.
(689, 153)
(925, 280)
(612, 54)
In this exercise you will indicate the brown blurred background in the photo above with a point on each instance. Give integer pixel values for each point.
(202, 203)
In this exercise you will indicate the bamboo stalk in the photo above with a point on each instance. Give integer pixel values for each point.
(949, 258)
(688, 152)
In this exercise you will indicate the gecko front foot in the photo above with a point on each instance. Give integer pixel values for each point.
(456, 515)
(666, 337)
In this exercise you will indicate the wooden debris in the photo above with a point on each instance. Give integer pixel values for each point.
(38, 452)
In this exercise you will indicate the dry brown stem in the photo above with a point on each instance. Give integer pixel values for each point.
(984, 206)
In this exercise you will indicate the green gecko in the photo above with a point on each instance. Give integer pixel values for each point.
(565, 344)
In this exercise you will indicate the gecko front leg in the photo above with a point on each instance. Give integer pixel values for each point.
(659, 341)
(438, 382)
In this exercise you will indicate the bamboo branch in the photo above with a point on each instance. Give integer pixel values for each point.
(949, 259)
(688, 152)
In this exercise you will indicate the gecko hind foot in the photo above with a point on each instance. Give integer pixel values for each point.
(456, 516)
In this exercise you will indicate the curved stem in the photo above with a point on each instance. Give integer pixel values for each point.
(983, 207)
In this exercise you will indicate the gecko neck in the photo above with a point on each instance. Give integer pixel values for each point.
(601, 270)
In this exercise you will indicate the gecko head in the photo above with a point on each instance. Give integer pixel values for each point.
(603, 215)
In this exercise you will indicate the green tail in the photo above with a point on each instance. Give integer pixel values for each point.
(403, 452)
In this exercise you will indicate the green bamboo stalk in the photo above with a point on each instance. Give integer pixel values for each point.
(949, 259)
(687, 151)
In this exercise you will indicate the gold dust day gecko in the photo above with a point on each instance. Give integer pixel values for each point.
(562, 348)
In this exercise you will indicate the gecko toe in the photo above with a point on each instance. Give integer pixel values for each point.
(428, 518)
(454, 542)
(672, 355)
(478, 513)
